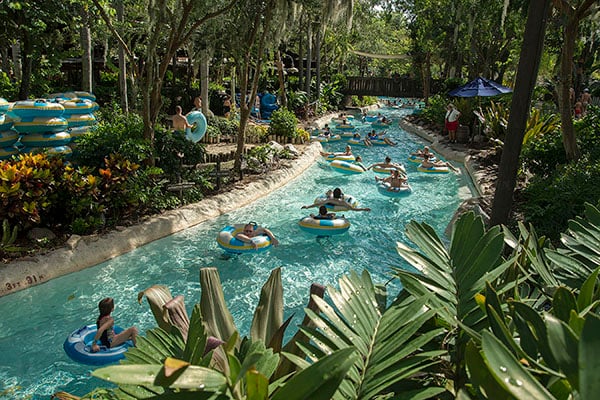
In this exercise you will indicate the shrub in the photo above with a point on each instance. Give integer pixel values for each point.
(173, 150)
(496, 121)
(551, 201)
(26, 186)
(303, 134)
(283, 123)
(331, 95)
(118, 200)
(542, 153)
(257, 133)
(363, 101)
(76, 203)
(435, 111)
(587, 131)
(115, 133)
(224, 126)
(452, 83)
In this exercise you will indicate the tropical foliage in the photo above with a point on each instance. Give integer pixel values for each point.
(557, 191)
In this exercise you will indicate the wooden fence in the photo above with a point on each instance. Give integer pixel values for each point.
(227, 139)
(391, 87)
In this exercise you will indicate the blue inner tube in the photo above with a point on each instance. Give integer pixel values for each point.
(4, 105)
(7, 152)
(37, 108)
(6, 122)
(40, 124)
(324, 227)
(384, 189)
(46, 139)
(196, 133)
(78, 347)
(8, 138)
(226, 239)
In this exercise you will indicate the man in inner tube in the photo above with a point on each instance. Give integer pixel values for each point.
(252, 230)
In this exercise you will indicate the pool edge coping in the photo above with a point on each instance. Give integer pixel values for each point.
(81, 252)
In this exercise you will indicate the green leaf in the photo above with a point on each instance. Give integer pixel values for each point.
(563, 302)
(196, 341)
(480, 375)
(589, 358)
(257, 386)
(421, 394)
(586, 293)
(260, 358)
(427, 240)
(576, 322)
(391, 346)
(564, 346)
(216, 315)
(193, 377)
(268, 316)
(324, 376)
(538, 330)
(509, 373)
(154, 348)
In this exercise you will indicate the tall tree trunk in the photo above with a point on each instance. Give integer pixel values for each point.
(17, 61)
(232, 89)
(566, 82)
(572, 14)
(308, 60)
(5, 61)
(300, 58)
(426, 76)
(454, 58)
(204, 71)
(531, 51)
(122, 63)
(86, 47)
(247, 104)
(27, 66)
(280, 74)
(318, 60)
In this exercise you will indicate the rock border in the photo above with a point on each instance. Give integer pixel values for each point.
(81, 252)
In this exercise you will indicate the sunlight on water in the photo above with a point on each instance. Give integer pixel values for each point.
(36, 321)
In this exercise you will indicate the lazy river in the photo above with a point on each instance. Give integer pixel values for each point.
(36, 321)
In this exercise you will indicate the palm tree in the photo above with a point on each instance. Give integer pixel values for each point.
(531, 51)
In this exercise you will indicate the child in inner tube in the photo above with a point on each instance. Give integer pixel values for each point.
(106, 324)
(252, 230)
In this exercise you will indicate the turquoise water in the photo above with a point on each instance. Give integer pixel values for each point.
(36, 321)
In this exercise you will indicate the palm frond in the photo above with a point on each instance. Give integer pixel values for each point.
(389, 343)
(454, 277)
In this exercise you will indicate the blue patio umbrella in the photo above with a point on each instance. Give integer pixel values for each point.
(480, 87)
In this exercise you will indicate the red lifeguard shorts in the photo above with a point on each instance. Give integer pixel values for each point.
(452, 126)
